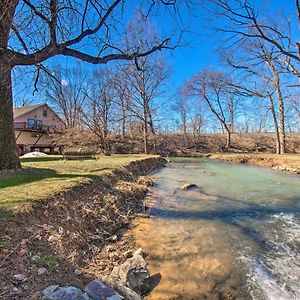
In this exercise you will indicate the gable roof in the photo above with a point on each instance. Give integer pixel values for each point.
(22, 110)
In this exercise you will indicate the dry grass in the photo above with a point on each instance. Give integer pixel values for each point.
(286, 162)
(44, 176)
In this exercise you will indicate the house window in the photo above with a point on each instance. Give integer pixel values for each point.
(35, 124)
(45, 113)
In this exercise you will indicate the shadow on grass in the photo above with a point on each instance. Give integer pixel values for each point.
(31, 175)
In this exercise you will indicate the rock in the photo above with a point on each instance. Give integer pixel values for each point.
(113, 256)
(110, 248)
(134, 273)
(41, 271)
(35, 257)
(22, 252)
(128, 254)
(188, 186)
(143, 215)
(139, 252)
(20, 277)
(97, 290)
(112, 238)
(52, 239)
(54, 292)
(77, 272)
(120, 286)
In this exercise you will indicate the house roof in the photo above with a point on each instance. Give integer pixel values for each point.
(22, 110)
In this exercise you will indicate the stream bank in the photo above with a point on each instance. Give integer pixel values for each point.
(233, 235)
(284, 162)
(74, 236)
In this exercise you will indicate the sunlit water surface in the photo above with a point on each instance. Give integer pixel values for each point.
(236, 236)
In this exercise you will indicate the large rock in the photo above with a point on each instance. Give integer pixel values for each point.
(97, 290)
(54, 292)
(134, 273)
(121, 287)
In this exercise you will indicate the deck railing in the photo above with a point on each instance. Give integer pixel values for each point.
(34, 127)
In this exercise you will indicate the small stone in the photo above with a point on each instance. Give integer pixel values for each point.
(96, 289)
(113, 238)
(35, 257)
(60, 230)
(47, 227)
(138, 252)
(41, 271)
(22, 252)
(113, 255)
(15, 290)
(77, 272)
(188, 186)
(128, 254)
(51, 239)
(25, 286)
(109, 248)
(20, 277)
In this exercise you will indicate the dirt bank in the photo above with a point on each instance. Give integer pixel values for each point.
(74, 236)
(286, 162)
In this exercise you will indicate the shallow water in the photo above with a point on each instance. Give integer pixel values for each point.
(236, 236)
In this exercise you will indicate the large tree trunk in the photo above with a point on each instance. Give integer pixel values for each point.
(8, 152)
(282, 122)
(151, 121)
(278, 149)
(124, 125)
(146, 143)
(228, 137)
(281, 108)
(9, 159)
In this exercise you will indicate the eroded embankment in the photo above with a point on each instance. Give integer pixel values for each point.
(286, 162)
(73, 236)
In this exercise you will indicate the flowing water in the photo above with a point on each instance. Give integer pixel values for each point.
(235, 236)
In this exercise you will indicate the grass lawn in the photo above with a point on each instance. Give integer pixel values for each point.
(43, 176)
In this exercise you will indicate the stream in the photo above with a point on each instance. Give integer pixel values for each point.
(235, 236)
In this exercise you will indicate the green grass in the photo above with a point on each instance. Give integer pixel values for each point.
(49, 261)
(44, 176)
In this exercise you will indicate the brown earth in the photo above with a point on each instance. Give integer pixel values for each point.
(285, 162)
(74, 236)
(178, 144)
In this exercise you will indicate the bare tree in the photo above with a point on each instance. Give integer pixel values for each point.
(147, 82)
(66, 90)
(197, 122)
(211, 87)
(146, 76)
(98, 113)
(182, 109)
(264, 69)
(123, 95)
(275, 41)
(33, 31)
(246, 22)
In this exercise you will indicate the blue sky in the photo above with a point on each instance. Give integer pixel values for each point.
(200, 42)
(203, 42)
